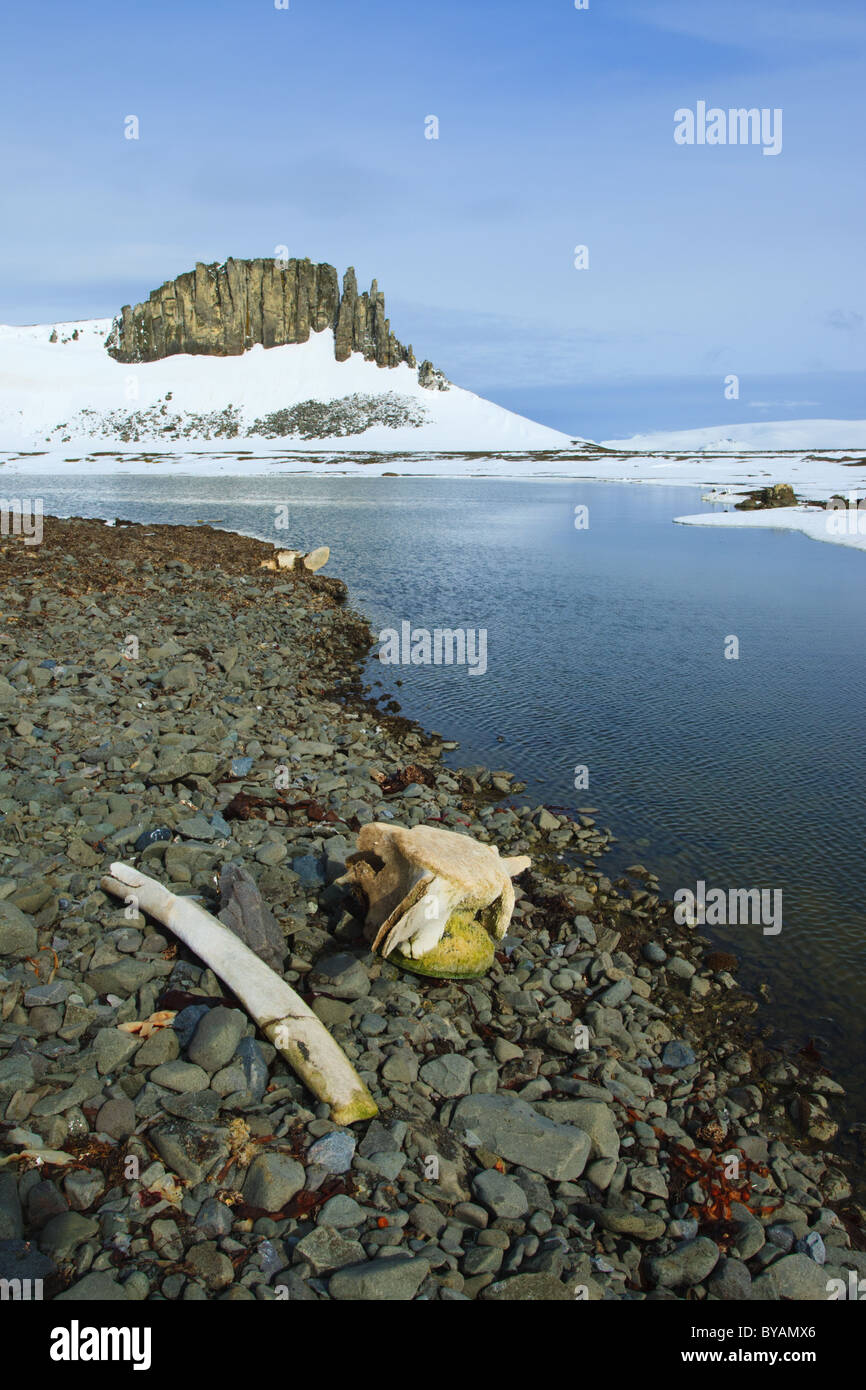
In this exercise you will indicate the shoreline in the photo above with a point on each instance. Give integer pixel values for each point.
(816, 485)
(812, 523)
(538, 1190)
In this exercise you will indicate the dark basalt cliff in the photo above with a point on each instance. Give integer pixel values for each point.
(221, 310)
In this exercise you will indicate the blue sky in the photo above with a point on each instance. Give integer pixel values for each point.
(305, 127)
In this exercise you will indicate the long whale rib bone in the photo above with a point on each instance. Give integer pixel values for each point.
(283, 1017)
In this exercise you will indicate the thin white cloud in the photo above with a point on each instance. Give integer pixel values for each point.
(780, 405)
(744, 24)
(846, 320)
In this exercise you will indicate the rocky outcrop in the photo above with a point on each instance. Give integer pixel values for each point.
(222, 310)
(431, 377)
(779, 495)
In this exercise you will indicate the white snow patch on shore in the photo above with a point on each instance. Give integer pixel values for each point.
(819, 525)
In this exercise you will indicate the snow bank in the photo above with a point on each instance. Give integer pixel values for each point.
(840, 528)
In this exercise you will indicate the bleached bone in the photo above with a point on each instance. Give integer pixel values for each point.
(294, 559)
(317, 558)
(425, 875)
(283, 1017)
(282, 560)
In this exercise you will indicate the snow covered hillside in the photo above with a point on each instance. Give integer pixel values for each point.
(61, 390)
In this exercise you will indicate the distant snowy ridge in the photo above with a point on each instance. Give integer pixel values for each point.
(773, 435)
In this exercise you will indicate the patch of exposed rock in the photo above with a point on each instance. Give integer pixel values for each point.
(222, 310)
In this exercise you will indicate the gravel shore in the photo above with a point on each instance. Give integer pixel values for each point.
(562, 1127)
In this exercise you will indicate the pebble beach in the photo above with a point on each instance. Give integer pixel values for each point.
(600, 1116)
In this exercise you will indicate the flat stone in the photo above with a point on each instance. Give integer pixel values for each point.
(177, 765)
(796, 1277)
(251, 1058)
(334, 1013)
(377, 1140)
(16, 1074)
(649, 1180)
(594, 1117)
(341, 1212)
(180, 1076)
(342, 976)
(271, 853)
(600, 1172)
(325, 1250)
(500, 1194)
(180, 677)
(116, 1118)
(512, 1129)
(124, 978)
(686, 1265)
(387, 1165)
(482, 1259)
(99, 1287)
(216, 1038)
(396, 1278)
(209, 1264)
(75, 1095)
(333, 1152)
(528, 1288)
(616, 994)
(781, 1236)
(83, 1187)
(750, 1235)
(273, 1180)
(730, 1281)
(624, 1221)
(18, 935)
(677, 1054)
(246, 1073)
(46, 995)
(113, 1049)
(213, 1219)
(449, 1075)
(681, 968)
(63, 1233)
(45, 1021)
(201, 1107)
(166, 1239)
(187, 1150)
(161, 1046)
(198, 828)
(401, 1068)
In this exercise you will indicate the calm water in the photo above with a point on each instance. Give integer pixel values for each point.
(606, 648)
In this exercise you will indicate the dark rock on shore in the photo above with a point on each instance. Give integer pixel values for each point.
(779, 495)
